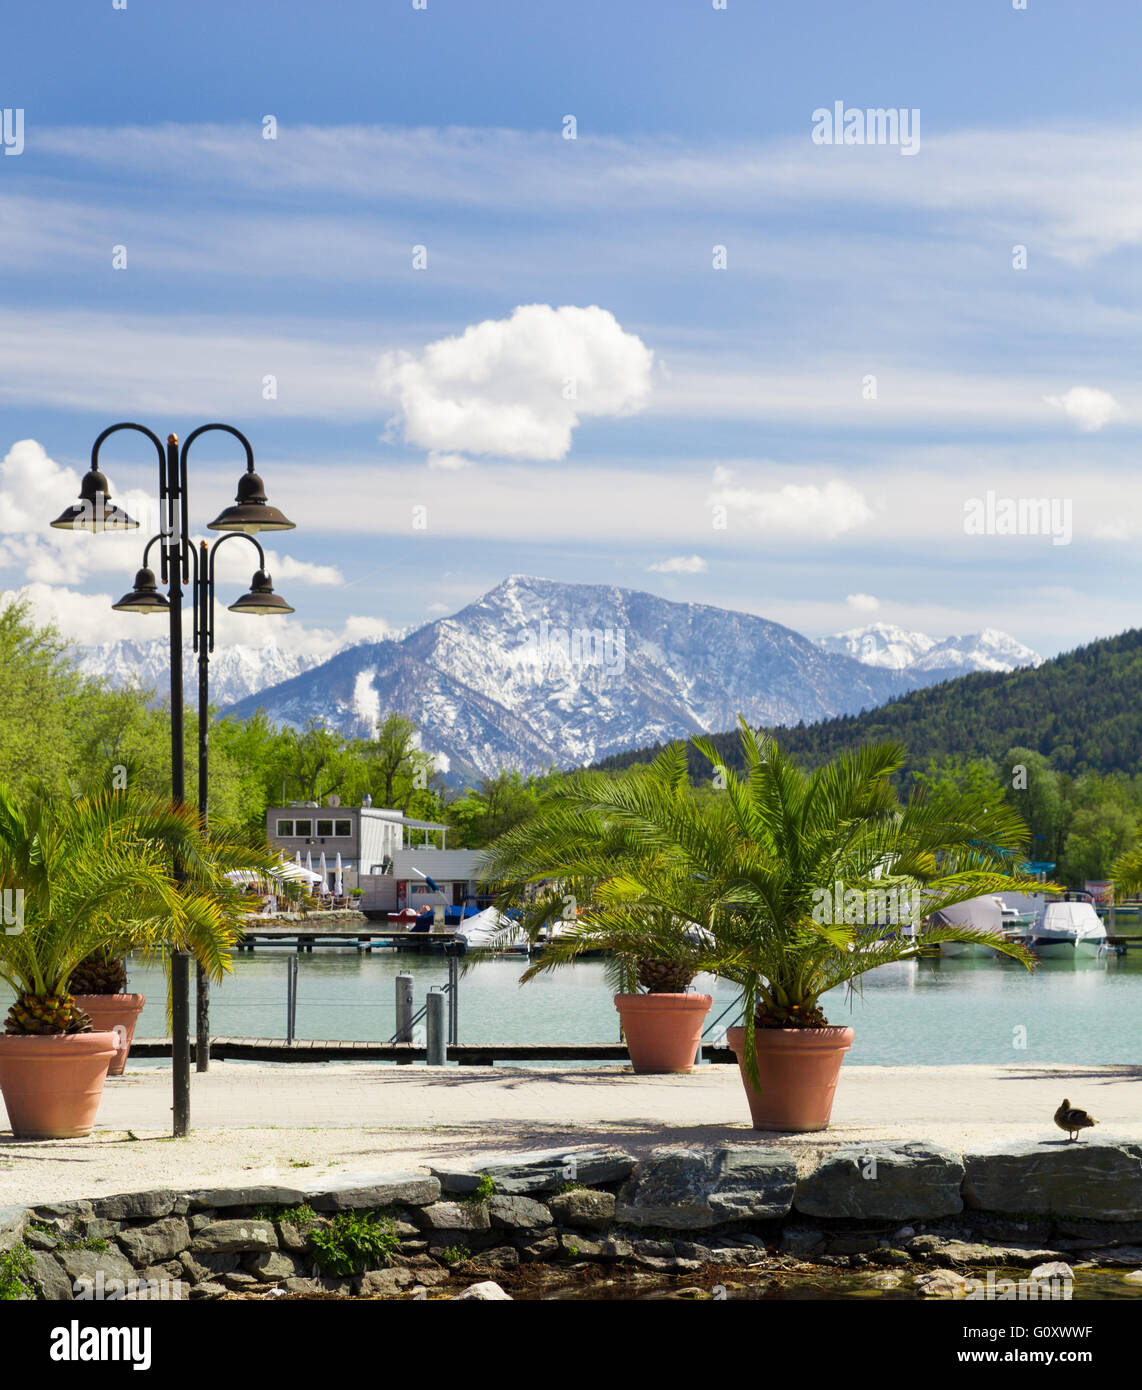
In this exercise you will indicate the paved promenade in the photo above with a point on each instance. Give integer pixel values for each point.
(293, 1121)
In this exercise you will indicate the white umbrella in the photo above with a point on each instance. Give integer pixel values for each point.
(339, 887)
(297, 859)
(308, 860)
(324, 873)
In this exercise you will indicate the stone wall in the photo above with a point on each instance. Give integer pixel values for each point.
(676, 1211)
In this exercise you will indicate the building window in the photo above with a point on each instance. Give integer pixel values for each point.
(285, 827)
(325, 827)
(303, 827)
(344, 829)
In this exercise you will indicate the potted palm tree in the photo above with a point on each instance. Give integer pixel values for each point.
(828, 875)
(99, 987)
(581, 880)
(93, 876)
(790, 877)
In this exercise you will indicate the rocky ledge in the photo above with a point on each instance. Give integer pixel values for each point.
(917, 1208)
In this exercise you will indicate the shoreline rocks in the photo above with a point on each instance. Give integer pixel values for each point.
(680, 1210)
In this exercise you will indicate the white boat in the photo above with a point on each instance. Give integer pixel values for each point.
(982, 914)
(478, 932)
(1060, 925)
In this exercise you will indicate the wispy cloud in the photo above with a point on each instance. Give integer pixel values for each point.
(680, 564)
(1077, 187)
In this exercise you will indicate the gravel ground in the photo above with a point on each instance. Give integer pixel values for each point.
(290, 1122)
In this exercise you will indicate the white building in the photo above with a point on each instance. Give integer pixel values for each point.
(390, 856)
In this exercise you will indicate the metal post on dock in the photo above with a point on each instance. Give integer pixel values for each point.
(291, 997)
(437, 1052)
(453, 999)
(404, 1009)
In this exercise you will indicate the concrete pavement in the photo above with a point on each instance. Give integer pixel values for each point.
(274, 1121)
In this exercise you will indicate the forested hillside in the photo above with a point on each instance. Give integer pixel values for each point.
(1082, 711)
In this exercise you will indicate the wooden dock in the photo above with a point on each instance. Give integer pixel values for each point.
(467, 1054)
(303, 935)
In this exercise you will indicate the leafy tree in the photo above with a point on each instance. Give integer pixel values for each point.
(39, 701)
(398, 767)
(957, 776)
(495, 805)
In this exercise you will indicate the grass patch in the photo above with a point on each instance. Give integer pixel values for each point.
(16, 1273)
(69, 1239)
(303, 1217)
(455, 1254)
(484, 1189)
(352, 1242)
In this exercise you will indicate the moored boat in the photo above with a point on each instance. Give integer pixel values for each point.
(982, 914)
(1068, 925)
(489, 929)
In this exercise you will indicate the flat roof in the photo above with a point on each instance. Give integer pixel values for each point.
(384, 813)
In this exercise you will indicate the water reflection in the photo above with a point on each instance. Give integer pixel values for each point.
(939, 1010)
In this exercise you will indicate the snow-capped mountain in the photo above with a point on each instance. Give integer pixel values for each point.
(897, 649)
(538, 673)
(235, 671)
(988, 650)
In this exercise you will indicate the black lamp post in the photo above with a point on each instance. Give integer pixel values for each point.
(250, 513)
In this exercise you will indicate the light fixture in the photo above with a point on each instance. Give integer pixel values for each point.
(261, 599)
(144, 598)
(94, 511)
(251, 511)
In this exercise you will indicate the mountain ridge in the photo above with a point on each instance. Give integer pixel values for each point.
(538, 673)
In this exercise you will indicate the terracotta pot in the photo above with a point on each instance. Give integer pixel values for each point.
(52, 1084)
(663, 1031)
(798, 1070)
(114, 1013)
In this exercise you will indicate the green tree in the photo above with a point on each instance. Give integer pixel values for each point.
(398, 768)
(1037, 791)
(975, 777)
(39, 701)
(494, 806)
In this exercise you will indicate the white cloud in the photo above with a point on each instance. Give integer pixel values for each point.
(807, 509)
(1069, 189)
(362, 629)
(89, 620)
(517, 388)
(863, 603)
(680, 564)
(34, 489)
(236, 564)
(1088, 407)
(1076, 183)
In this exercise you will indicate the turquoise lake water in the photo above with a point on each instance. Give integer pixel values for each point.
(1071, 1009)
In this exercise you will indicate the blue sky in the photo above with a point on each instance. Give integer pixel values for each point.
(796, 434)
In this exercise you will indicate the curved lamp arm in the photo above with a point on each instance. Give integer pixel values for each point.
(164, 481)
(186, 443)
(208, 575)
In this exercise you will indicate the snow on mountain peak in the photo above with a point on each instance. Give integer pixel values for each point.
(896, 648)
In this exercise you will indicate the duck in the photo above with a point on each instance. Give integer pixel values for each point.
(1072, 1119)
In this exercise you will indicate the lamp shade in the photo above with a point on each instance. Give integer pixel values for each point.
(251, 511)
(261, 599)
(94, 511)
(144, 598)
